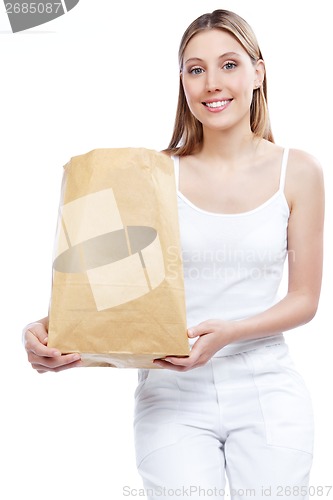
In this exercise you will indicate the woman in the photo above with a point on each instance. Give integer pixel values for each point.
(236, 404)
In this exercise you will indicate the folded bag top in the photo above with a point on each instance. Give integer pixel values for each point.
(118, 288)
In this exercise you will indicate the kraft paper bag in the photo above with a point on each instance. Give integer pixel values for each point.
(118, 289)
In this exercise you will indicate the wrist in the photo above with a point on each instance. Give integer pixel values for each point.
(232, 331)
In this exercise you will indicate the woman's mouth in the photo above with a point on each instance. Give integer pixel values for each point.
(216, 106)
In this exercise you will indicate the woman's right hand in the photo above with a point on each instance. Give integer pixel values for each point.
(42, 358)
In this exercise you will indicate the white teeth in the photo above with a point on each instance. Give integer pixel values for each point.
(217, 104)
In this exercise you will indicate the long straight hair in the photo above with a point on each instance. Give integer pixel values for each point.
(187, 137)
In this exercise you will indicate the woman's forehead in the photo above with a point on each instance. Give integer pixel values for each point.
(214, 42)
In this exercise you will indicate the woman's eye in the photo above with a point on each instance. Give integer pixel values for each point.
(196, 71)
(229, 65)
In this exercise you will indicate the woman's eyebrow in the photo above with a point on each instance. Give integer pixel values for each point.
(226, 54)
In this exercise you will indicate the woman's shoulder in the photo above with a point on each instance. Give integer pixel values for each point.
(301, 158)
(168, 152)
(298, 159)
(303, 167)
(304, 178)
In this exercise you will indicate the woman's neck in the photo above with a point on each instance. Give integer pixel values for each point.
(228, 146)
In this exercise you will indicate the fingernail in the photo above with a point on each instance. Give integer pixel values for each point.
(56, 353)
(76, 357)
(190, 332)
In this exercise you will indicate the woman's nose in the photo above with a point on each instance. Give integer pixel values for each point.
(213, 81)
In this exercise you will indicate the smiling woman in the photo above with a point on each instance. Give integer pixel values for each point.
(236, 406)
(194, 57)
(220, 84)
(244, 407)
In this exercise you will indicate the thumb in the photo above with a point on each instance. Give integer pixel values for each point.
(38, 330)
(201, 329)
(194, 331)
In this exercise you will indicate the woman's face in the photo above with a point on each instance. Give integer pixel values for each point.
(218, 79)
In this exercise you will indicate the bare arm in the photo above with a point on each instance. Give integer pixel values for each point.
(305, 255)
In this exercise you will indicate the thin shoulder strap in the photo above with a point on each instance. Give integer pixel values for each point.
(284, 169)
(176, 165)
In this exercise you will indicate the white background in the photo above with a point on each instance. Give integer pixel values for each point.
(106, 75)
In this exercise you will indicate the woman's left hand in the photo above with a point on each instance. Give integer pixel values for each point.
(214, 334)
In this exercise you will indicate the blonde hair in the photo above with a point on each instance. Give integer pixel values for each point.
(187, 134)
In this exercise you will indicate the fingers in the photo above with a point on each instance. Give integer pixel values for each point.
(36, 340)
(180, 364)
(201, 352)
(202, 328)
(170, 366)
(43, 358)
(56, 364)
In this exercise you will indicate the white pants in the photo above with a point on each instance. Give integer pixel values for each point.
(248, 415)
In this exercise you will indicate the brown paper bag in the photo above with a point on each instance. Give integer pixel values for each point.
(117, 290)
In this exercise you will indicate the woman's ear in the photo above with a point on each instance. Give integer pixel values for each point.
(259, 73)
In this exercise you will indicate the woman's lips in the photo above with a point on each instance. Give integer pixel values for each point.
(217, 106)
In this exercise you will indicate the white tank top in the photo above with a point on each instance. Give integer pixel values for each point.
(233, 263)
